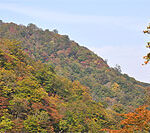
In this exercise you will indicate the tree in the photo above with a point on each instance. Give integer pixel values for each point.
(118, 68)
(147, 57)
(137, 121)
(55, 31)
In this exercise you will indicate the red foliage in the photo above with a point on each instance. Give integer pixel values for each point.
(48, 107)
(12, 29)
(3, 102)
(83, 62)
(18, 125)
(8, 58)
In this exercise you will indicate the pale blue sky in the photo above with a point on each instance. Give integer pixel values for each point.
(111, 28)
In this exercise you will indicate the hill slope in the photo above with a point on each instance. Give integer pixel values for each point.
(117, 91)
(33, 98)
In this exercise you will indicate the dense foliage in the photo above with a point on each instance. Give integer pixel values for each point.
(34, 99)
(137, 121)
(78, 63)
(49, 83)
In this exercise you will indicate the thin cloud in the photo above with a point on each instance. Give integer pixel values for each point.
(127, 57)
(60, 17)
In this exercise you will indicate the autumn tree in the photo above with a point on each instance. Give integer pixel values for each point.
(137, 121)
(147, 57)
(25, 106)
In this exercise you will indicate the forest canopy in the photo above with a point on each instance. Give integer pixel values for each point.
(49, 83)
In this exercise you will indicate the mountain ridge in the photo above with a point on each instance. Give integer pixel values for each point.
(49, 83)
(77, 63)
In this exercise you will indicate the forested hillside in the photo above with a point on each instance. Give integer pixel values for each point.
(48, 83)
(34, 99)
(77, 63)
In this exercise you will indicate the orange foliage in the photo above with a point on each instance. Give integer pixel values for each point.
(134, 121)
(138, 120)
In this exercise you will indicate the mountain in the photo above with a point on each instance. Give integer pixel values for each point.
(76, 62)
(49, 83)
(33, 98)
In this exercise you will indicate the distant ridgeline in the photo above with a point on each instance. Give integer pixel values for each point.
(51, 84)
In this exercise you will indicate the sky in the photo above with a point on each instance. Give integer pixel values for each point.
(110, 28)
